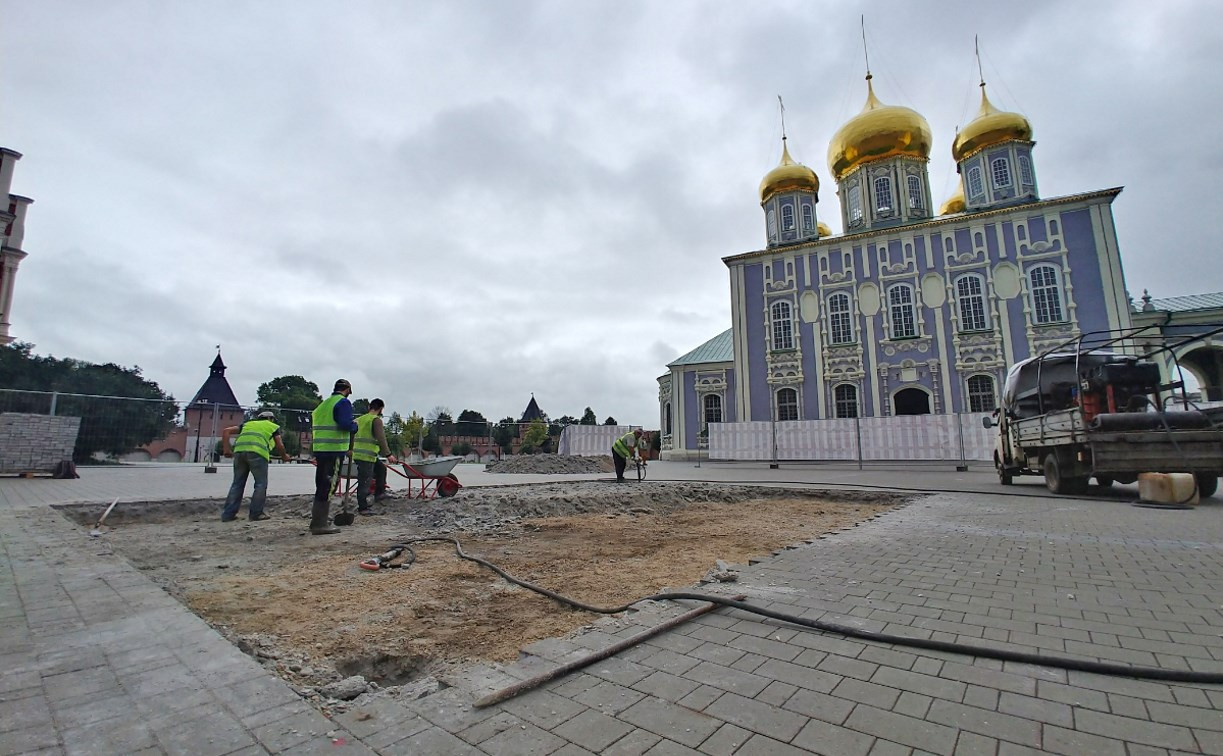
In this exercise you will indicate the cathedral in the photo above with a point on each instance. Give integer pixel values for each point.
(911, 310)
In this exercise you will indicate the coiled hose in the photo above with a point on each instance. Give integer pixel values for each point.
(1022, 657)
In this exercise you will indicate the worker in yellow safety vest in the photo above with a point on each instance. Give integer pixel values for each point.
(331, 433)
(623, 448)
(251, 453)
(366, 446)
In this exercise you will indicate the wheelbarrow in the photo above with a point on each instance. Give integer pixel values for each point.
(435, 476)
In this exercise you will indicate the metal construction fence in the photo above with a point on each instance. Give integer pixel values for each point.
(960, 438)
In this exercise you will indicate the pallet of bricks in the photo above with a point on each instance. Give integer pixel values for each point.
(36, 444)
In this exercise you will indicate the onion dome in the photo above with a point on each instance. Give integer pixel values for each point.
(990, 127)
(879, 131)
(788, 176)
(823, 229)
(954, 203)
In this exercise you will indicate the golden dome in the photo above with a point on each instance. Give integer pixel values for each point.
(954, 203)
(990, 127)
(879, 131)
(787, 176)
(823, 228)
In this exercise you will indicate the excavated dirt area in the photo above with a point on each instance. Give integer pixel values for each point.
(301, 604)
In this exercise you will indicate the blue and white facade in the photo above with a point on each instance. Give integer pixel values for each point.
(911, 311)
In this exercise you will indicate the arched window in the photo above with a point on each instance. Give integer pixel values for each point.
(975, 187)
(667, 420)
(772, 216)
(900, 310)
(713, 408)
(1025, 170)
(855, 206)
(845, 400)
(1046, 287)
(787, 217)
(981, 394)
(783, 326)
(840, 322)
(1001, 169)
(883, 194)
(808, 217)
(787, 404)
(970, 293)
(915, 200)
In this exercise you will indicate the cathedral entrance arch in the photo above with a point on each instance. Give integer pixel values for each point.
(911, 401)
(1205, 363)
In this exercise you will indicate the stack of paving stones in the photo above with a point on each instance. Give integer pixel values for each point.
(35, 443)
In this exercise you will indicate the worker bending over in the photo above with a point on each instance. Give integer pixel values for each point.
(623, 448)
(366, 446)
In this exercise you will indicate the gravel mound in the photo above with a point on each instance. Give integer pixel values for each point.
(551, 464)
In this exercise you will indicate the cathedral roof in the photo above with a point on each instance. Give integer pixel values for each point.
(718, 349)
(991, 126)
(879, 131)
(788, 176)
(1187, 303)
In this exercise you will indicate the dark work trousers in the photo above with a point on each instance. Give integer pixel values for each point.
(320, 513)
(620, 462)
(247, 463)
(366, 471)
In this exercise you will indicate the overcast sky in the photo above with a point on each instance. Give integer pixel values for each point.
(462, 203)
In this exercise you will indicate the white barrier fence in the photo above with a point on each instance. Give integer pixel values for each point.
(590, 440)
(909, 437)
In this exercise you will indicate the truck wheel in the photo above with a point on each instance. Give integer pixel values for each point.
(1103, 481)
(1005, 476)
(1207, 484)
(1056, 480)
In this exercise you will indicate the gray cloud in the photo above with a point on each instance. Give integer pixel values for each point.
(462, 204)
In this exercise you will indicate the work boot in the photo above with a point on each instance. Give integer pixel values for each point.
(320, 515)
(325, 530)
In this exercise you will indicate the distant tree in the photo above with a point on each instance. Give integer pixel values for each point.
(610, 421)
(537, 433)
(110, 426)
(588, 417)
(360, 406)
(393, 426)
(289, 392)
(292, 442)
(441, 420)
(504, 434)
(471, 423)
(431, 443)
(461, 449)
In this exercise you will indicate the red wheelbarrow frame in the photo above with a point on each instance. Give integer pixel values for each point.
(431, 486)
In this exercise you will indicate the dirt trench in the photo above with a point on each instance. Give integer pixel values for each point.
(301, 604)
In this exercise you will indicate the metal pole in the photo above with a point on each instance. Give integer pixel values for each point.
(773, 426)
(959, 421)
(212, 442)
(858, 433)
(54, 399)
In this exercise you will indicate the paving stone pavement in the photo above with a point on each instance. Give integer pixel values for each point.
(98, 660)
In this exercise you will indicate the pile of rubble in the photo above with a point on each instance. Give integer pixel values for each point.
(552, 464)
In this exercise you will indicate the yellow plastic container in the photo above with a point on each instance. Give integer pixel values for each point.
(1168, 488)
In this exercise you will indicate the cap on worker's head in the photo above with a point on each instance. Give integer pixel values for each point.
(636, 431)
(266, 415)
(342, 384)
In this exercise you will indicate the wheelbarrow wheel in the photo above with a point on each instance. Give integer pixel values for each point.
(448, 486)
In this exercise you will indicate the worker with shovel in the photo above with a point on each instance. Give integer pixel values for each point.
(622, 449)
(333, 427)
(366, 446)
(251, 453)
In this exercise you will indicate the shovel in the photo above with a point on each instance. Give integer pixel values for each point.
(344, 518)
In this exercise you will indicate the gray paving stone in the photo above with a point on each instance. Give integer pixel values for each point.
(291, 732)
(212, 734)
(671, 748)
(668, 720)
(433, 740)
(760, 745)
(593, 731)
(832, 740)
(635, 743)
(972, 744)
(798, 675)
(726, 741)
(917, 733)
(756, 716)
(698, 699)
(524, 739)
(1074, 743)
(1134, 730)
(606, 697)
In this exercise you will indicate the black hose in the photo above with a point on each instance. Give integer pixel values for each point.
(1022, 657)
